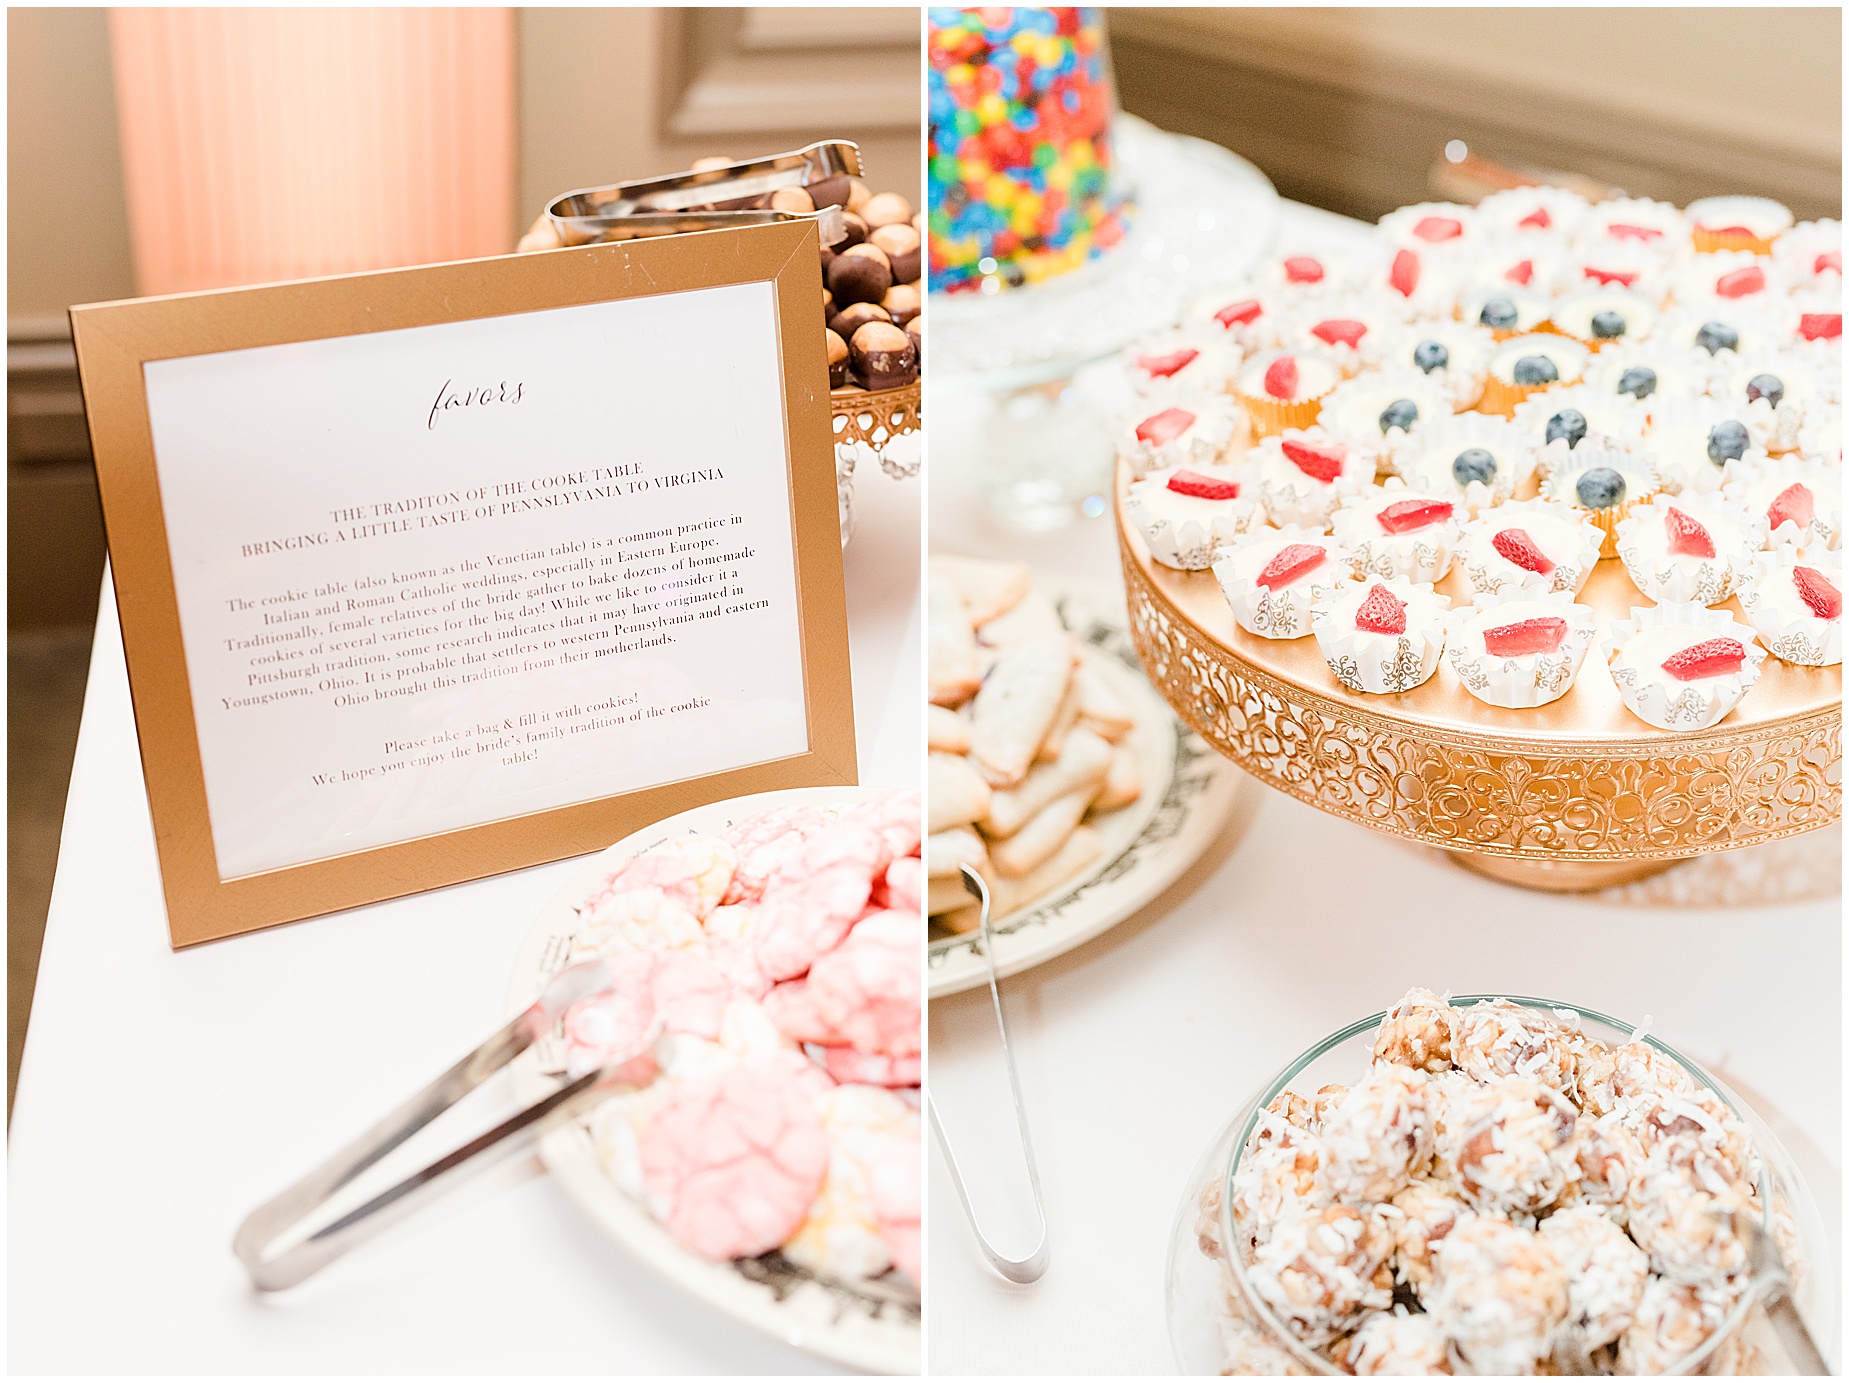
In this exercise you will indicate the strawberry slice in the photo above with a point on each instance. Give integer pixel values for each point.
(1435, 230)
(1299, 559)
(1281, 377)
(1162, 366)
(1198, 486)
(1730, 230)
(1410, 515)
(1820, 326)
(1239, 314)
(1381, 613)
(1542, 635)
(1522, 273)
(1828, 260)
(1538, 219)
(1741, 282)
(1345, 330)
(1303, 269)
(1794, 503)
(1516, 546)
(1710, 658)
(1687, 538)
(1605, 278)
(1403, 277)
(1825, 601)
(1322, 463)
(1619, 231)
(1164, 427)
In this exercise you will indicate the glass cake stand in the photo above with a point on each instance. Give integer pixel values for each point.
(1578, 794)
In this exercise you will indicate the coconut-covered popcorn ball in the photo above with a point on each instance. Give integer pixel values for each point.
(1417, 1032)
(1377, 1135)
(1517, 1155)
(1321, 1269)
(1396, 1345)
(1605, 1271)
(1498, 1038)
(1500, 1292)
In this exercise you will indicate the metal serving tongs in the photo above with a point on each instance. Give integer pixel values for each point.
(271, 1222)
(1034, 1266)
(736, 194)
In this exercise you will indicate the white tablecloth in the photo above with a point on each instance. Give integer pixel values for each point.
(164, 1095)
(1136, 1048)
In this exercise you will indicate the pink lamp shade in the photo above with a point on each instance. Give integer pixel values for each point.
(266, 144)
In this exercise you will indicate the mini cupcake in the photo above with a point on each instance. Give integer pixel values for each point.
(1695, 444)
(1401, 533)
(1531, 545)
(1310, 273)
(1810, 255)
(1534, 213)
(1603, 484)
(1249, 316)
(1505, 310)
(1637, 221)
(1526, 364)
(1454, 356)
(1651, 373)
(1191, 432)
(1168, 364)
(1188, 515)
(1800, 500)
(1442, 228)
(1520, 650)
(1795, 602)
(1620, 265)
(1812, 322)
(1751, 224)
(1530, 263)
(1776, 388)
(1475, 458)
(1727, 276)
(1821, 438)
(1280, 389)
(1720, 329)
(1380, 636)
(1576, 417)
(1378, 409)
(1271, 577)
(1348, 328)
(1691, 547)
(1420, 283)
(1304, 475)
(1599, 317)
(1681, 666)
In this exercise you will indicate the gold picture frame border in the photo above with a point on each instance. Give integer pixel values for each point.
(115, 339)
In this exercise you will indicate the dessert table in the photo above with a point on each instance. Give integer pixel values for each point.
(163, 1095)
(1135, 1048)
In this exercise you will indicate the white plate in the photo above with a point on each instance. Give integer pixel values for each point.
(1188, 793)
(872, 1326)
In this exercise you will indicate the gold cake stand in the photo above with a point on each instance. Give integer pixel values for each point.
(875, 416)
(1578, 794)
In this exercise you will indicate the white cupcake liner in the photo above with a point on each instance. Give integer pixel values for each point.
(1281, 614)
(1461, 379)
(1201, 445)
(1189, 545)
(1290, 496)
(1754, 485)
(1380, 663)
(1531, 679)
(1424, 461)
(1351, 411)
(1488, 572)
(1210, 372)
(1422, 557)
(1685, 467)
(1793, 635)
(1704, 580)
(1613, 422)
(1669, 705)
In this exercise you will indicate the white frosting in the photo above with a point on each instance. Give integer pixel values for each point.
(1316, 376)
(1187, 531)
(1636, 649)
(1762, 216)
(1782, 617)
(1202, 442)
(1567, 540)
(1418, 555)
(1366, 660)
(1278, 612)
(1574, 314)
(1292, 495)
(1643, 546)
(1525, 679)
(1569, 357)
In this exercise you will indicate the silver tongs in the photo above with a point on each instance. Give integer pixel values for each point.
(270, 1223)
(1770, 1279)
(737, 194)
(1033, 1267)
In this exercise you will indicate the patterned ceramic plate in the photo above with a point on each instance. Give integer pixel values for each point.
(869, 1325)
(1188, 792)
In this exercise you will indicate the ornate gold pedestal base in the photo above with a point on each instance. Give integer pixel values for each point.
(1551, 876)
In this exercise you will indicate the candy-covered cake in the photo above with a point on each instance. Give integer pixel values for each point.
(1020, 104)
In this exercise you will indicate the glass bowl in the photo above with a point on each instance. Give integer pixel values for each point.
(1208, 1298)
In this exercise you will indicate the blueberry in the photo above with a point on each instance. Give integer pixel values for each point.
(1401, 413)
(1726, 442)
(1768, 387)
(1606, 326)
(1569, 423)
(1717, 336)
(1639, 381)
(1600, 488)
(1474, 464)
(1497, 313)
(1535, 369)
(1431, 355)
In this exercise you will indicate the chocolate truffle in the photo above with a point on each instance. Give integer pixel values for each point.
(886, 209)
(837, 361)
(830, 191)
(883, 356)
(902, 302)
(900, 242)
(791, 199)
(860, 275)
(851, 319)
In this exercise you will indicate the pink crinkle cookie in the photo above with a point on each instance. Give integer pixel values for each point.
(813, 903)
(852, 1067)
(897, 816)
(792, 1008)
(650, 992)
(897, 1200)
(765, 844)
(901, 887)
(867, 990)
(733, 1158)
(694, 872)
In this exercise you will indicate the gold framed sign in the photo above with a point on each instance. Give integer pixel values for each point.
(434, 573)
